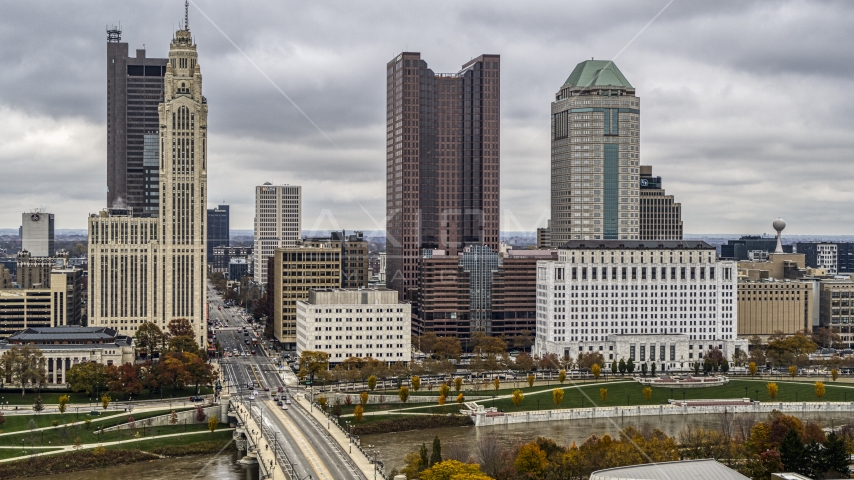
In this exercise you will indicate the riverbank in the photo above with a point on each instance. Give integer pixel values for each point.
(94, 458)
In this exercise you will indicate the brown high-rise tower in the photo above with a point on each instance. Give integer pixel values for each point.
(442, 161)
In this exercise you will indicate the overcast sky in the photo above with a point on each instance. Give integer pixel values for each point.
(746, 108)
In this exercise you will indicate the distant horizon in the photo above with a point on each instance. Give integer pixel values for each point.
(510, 233)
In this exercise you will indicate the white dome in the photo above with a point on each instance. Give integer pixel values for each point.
(779, 224)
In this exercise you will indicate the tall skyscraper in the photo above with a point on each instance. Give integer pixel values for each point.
(595, 155)
(37, 234)
(442, 161)
(134, 90)
(218, 235)
(154, 269)
(277, 223)
(660, 215)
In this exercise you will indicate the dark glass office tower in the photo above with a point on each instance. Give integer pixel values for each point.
(134, 90)
(217, 229)
(442, 161)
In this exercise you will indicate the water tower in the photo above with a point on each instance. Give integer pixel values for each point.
(779, 225)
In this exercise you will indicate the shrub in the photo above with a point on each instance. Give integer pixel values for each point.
(63, 403)
(200, 414)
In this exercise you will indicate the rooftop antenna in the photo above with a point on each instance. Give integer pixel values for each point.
(187, 15)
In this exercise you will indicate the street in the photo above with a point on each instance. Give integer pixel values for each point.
(307, 447)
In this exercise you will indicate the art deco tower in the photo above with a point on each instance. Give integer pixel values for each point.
(183, 180)
(153, 269)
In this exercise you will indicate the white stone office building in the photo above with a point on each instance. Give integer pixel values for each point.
(37, 233)
(668, 302)
(277, 223)
(355, 323)
(154, 269)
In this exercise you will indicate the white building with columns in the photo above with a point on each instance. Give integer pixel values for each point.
(668, 302)
(64, 347)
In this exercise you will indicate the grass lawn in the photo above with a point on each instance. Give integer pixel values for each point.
(630, 393)
(13, 396)
(57, 437)
(107, 418)
(16, 452)
(182, 440)
(488, 389)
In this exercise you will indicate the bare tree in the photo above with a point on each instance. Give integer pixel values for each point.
(742, 424)
(455, 450)
(725, 423)
(490, 454)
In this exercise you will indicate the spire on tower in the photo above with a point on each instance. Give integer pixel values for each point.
(187, 15)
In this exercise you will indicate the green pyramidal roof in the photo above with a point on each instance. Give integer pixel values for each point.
(597, 73)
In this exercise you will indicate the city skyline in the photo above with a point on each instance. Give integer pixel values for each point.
(702, 91)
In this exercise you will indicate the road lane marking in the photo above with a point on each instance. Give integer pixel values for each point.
(302, 443)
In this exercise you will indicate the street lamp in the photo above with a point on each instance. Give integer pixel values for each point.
(538, 404)
(628, 397)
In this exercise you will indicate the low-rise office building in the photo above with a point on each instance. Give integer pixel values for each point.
(837, 308)
(766, 307)
(237, 269)
(337, 261)
(834, 257)
(477, 290)
(222, 256)
(626, 299)
(359, 323)
(64, 347)
(59, 305)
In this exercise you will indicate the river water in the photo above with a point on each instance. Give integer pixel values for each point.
(393, 447)
(208, 467)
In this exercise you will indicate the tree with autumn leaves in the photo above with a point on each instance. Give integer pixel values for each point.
(175, 369)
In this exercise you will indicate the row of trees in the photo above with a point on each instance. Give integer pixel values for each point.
(756, 449)
(175, 369)
(451, 347)
(180, 336)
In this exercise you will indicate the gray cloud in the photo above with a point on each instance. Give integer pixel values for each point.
(745, 105)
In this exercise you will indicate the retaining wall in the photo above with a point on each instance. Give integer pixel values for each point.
(161, 420)
(373, 399)
(481, 419)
